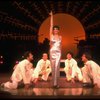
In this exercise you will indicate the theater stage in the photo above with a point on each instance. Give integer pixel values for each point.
(44, 90)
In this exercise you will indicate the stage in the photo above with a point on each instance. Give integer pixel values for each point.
(44, 90)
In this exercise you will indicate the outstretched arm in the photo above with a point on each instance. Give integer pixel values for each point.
(51, 24)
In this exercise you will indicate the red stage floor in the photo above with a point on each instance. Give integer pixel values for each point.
(45, 90)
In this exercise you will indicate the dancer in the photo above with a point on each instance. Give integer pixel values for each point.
(22, 72)
(55, 51)
(90, 71)
(43, 68)
(71, 69)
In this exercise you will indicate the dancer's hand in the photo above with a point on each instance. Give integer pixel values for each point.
(44, 72)
(51, 13)
(32, 79)
(72, 80)
(27, 86)
(35, 80)
(96, 86)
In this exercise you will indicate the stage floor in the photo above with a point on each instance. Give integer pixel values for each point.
(45, 90)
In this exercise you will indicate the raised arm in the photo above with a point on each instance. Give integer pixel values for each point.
(51, 24)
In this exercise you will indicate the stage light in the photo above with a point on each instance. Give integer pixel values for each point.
(22, 56)
(1, 62)
(17, 62)
(1, 56)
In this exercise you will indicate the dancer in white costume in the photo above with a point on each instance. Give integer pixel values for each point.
(71, 69)
(43, 67)
(22, 72)
(55, 52)
(90, 71)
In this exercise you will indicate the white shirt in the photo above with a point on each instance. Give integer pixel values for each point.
(92, 64)
(73, 65)
(94, 70)
(22, 71)
(41, 63)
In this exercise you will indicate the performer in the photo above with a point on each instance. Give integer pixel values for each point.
(55, 51)
(43, 68)
(22, 72)
(71, 69)
(90, 71)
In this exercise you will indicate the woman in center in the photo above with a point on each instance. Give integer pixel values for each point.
(55, 52)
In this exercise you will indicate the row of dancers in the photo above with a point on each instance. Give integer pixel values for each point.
(24, 71)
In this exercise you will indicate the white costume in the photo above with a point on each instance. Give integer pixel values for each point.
(43, 68)
(72, 70)
(91, 72)
(23, 71)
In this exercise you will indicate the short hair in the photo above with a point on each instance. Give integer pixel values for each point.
(87, 55)
(45, 54)
(56, 26)
(26, 54)
(69, 52)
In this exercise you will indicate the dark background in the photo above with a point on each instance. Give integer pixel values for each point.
(20, 21)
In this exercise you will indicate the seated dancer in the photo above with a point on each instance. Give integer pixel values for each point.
(71, 69)
(43, 67)
(90, 71)
(22, 72)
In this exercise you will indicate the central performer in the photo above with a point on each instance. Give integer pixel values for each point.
(55, 51)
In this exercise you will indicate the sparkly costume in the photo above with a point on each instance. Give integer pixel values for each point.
(55, 55)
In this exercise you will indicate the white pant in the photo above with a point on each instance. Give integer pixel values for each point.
(90, 76)
(77, 73)
(87, 77)
(45, 76)
(11, 85)
(44, 73)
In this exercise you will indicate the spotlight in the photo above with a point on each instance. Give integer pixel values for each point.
(17, 62)
(1, 62)
(1, 56)
(22, 56)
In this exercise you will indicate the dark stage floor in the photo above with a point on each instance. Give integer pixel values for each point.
(45, 90)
